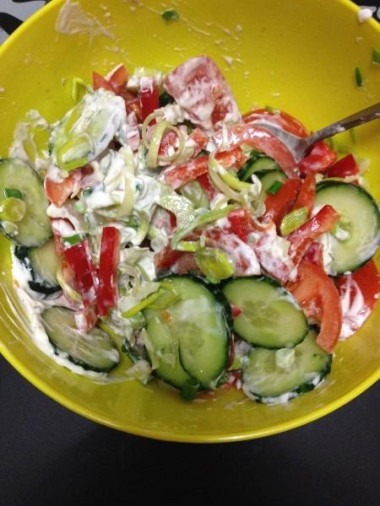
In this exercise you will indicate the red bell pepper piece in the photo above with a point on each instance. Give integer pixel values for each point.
(368, 280)
(301, 239)
(79, 259)
(306, 196)
(320, 158)
(109, 259)
(278, 205)
(344, 167)
(149, 96)
(319, 298)
(192, 170)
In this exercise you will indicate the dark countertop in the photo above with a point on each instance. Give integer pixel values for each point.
(51, 456)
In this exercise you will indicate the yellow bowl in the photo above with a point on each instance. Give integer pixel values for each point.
(299, 57)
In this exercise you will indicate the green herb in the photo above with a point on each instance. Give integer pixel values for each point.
(170, 15)
(189, 390)
(275, 187)
(87, 192)
(376, 56)
(352, 132)
(72, 240)
(359, 77)
(12, 192)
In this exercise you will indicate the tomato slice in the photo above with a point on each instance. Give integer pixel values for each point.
(261, 139)
(306, 196)
(118, 78)
(344, 167)
(201, 90)
(278, 205)
(99, 81)
(279, 118)
(319, 298)
(178, 176)
(205, 182)
(320, 158)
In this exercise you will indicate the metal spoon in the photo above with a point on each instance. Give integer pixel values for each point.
(299, 146)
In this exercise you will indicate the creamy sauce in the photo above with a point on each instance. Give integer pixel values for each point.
(354, 309)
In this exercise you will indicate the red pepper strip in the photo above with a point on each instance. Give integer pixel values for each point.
(79, 259)
(319, 298)
(241, 223)
(86, 319)
(314, 253)
(192, 170)
(149, 97)
(321, 157)
(301, 239)
(119, 77)
(108, 261)
(368, 281)
(205, 182)
(278, 118)
(278, 205)
(306, 196)
(261, 139)
(101, 82)
(344, 167)
(199, 138)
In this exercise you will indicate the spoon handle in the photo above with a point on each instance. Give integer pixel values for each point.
(364, 116)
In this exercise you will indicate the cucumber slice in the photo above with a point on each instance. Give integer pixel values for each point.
(43, 264)
(195, 325)
(268, 177)
(255, 164)
(357, 235)
(270, 316)
(166, 350)
(271, 376)
(94, 351)
(34, 228)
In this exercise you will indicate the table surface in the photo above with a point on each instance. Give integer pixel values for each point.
(50, 455)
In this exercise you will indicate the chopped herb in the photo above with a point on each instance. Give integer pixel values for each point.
(12, 192)
(271, 109)
(189, 390)
(274, 188)
(170, 15)
(72, 240)
(87, 192)
(359, 77)
(353, 136)
(376, 56)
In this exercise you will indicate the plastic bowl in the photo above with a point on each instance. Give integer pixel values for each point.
(300, 59)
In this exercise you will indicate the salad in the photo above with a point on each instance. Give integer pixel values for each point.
(155, 221)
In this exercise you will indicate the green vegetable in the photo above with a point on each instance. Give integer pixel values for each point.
(359, 77)
(12, 192)
(274, 188)
(72, 240)
(214, 264)
(293, 220)
(376, 56)
(12, 209)
(170, 15)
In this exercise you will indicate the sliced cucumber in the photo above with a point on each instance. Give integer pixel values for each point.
(166, 350)
(42, 263)
(357, 235)
(258, 162)
(94, 351)
(269, 317)
(34, 228)
(193, 339)
(269, 177)
(271, 376)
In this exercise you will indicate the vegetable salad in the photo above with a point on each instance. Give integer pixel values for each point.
(156, 220)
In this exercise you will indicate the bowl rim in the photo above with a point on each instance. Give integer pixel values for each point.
(156, 434)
